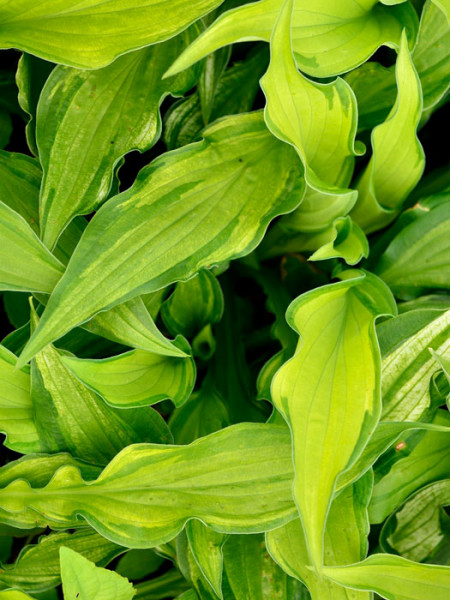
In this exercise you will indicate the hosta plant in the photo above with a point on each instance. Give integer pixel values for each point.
(225, 283)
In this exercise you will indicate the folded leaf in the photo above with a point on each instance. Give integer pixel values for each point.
(374, 85)
(347, 241)
(396, 150)
(16, 408)
(329, 391)
(37, 567)
(319, 120)
(419, 459)
(409, 365)
(71, 417)
(31, 75)
(92, 119)
(418, 257)
(394, 578)
(130, 323)
(237, 480)
(217, 196)
(136, 378)
(328, 38)
(384, 437)
(25, 263)
(419, 529)
(82, 580)
(194, 304)
(207, 546)
(94, 34)
(344, 542)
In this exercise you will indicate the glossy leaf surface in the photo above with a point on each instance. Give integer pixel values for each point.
(57, 29)
(331, 417)
(328, 39)
(93, 118)
(237, 153)
(240, 481)
(396, 150)
(137, 378)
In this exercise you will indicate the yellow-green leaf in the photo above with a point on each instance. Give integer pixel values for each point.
(329, 392)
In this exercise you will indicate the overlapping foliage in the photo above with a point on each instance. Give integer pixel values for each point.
(225, 268)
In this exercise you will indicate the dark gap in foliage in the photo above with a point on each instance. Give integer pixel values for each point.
(433, 145)
(7, 455)
(18, 140)
(134, 162)
(385, 56)
(5, 326)
(10, 60)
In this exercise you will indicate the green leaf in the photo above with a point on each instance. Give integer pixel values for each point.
(188, 595)
(205, 412)
(82, 580)
(136, 378)
(384, 437)
(71, 417)
(430, 56)
(207, 546)
(344, 542)
(138, 564)
(14, 595)
(168, 585)
(418, 257)
(20, 178)
(419, 529)
(180, 195)
(319, 120)
(328, 39)
(395, 578)
(37, 567)
(396, 149)
(57, 29)
(39, 470)
(235, 93)
(251, 574)
(131, 324)
(190, 569)
(333, 378)
(375, 90)
(348, 242)
(25, 263)
(237, 480)
(16, 408)
(209, 80)
(408, 364)
(94, 118)
(31, 75)
(375, 87)
(193, 304)
(415, 464)
(444, 5)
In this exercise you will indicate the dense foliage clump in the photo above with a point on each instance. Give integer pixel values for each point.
(225, 274)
